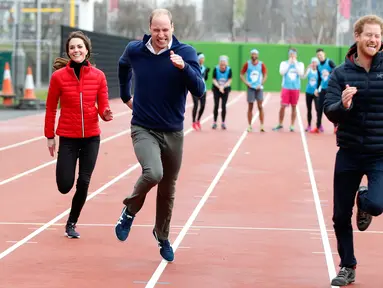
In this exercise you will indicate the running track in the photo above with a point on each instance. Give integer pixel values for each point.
(252, 210)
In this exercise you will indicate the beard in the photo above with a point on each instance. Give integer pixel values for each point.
(366, 51)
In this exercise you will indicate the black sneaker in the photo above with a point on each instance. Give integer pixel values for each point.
(363, 219)
(70, 231)
(345, 277)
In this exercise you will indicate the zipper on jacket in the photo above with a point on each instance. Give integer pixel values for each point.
(82, 116)
(81, 103)
(365, 107)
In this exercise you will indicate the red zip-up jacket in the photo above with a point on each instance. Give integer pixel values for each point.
(81, 102)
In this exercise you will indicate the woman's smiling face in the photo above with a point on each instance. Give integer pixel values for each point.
(77, 50)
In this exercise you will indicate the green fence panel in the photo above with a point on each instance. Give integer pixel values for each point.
(212, 51)
(271, 54)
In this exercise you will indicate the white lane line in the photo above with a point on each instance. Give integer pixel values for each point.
(92, 195)
(161, 267)
(34, 139)
(46, 164)
(21, 143)
(318, 207)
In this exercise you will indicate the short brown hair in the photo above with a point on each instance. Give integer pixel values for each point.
(161, 11)
(368, 19)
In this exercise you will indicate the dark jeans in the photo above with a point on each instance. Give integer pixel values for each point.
(201, 100)
(160, 156)
(71, 149)
(350, 167)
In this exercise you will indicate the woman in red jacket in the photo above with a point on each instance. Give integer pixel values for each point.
(83, 94)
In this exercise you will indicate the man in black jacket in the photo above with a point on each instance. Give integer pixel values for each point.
(354, 100)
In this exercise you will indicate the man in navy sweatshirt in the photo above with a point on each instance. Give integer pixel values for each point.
(165, 70)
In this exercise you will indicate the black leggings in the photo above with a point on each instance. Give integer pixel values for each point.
(321, 97)
(309, 101)
(71, 149)
(195, 107)
(218, 95)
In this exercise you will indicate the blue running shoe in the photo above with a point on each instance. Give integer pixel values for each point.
(123, 225)
(166, 249)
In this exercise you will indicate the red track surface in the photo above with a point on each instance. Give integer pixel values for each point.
(24, 128)
(368, 243)
(258, 228)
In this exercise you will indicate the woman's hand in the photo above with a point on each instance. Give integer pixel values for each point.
(52, 146)
(108, 114)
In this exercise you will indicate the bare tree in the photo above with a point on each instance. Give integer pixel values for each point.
(218, 19)
(312, 24)
(185, 24)
(264, 20)
(132, 19)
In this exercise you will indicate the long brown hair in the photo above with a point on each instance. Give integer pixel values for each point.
(61, 62)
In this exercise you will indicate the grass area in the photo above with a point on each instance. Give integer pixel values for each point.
(41, 94)
(5, 47)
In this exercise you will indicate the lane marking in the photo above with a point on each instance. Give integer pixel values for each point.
(317, 202)
(312, 231)
(161, 267)
(95, 193)
(21, 143)
(46, 164)
(119, 114)
(30, 242)
(144, 282)
(34, 139)
(188, 233)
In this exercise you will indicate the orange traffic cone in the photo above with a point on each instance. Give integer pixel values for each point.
(7, 93)
(29, 87)
(29, 100)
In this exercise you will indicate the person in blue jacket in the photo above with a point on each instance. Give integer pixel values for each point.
(325, 68)
(312, 76)
(222, 77)
(200, 100)
(165, 70)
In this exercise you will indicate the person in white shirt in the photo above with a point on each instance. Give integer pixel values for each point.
(291, 70)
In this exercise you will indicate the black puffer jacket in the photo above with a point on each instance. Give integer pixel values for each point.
(360, 127)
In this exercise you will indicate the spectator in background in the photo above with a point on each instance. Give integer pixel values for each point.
(222, 77)
(291, 70)
(325, 67)
(256, 75)
(200, 100)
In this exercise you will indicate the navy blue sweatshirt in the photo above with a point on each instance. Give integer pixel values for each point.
(160, 88)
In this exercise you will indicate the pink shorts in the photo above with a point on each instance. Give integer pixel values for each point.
(289, 97)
